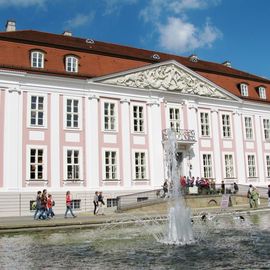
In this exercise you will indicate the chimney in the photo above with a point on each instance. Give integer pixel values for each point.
(227, 64)
(67, 33)
(193, 58)
(10, 26)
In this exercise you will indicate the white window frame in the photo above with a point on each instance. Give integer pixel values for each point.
(117, 178)
(81, 173)
(267, 165)
(262, 92)
(174, 123)
(204, 124)
(72, 63)
(181, 119)
(212, 165)
(249, 130)
(248, 167)
(225, 167)
(244, 89)
(266, 131)
(28, 162)
(226, 126)
(40, 57)
(29, 110)
(103, 115)
(134, 151)
(65, 113)
(143, 119)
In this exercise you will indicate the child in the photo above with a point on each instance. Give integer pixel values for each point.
(50, 204)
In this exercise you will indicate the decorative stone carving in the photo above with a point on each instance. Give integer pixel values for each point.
(169, 78)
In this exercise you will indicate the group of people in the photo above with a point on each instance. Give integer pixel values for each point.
(44, 205)
(98, 203)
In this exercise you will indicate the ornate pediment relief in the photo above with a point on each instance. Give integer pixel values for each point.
(169, 77)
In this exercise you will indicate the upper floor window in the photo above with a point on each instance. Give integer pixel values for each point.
(109, 116)
(244, 89)
(226, 126)
(248, 128)
(262, 92)
(174, 119)
(205, 127)
(71, 64)
(72, 113)
(37, 59)
(138, 118)
(37, 111)
(266, 128)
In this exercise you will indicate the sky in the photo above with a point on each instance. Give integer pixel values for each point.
(214, 30)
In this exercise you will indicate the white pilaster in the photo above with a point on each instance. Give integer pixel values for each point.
(240, 162)
(155, 144)
(55, 141)
(216, 144)
(13, 139)
(126, 152)
(92, 142)
(259, 143)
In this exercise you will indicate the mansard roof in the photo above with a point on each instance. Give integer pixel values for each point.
(108, 58)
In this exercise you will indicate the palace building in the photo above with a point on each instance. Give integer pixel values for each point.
(82, 115)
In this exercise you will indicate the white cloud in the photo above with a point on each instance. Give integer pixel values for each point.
(22, 3)
(180, 36)
(79, 20)
(114, 6)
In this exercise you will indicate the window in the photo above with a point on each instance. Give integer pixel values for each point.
(268, 165)
(248, 128)
(112, 202)
(205, 128)
(244, 89)
(251, 166)
(141, 199)
(37, 59)
(36, 164)
(174, 119)
(110, 165)
(37, 111)
(109, 116)
(266, 128)
(207, 166)
(72, 113)
(138, 119)
(71, 64)
(262, 92)
(229, 171)
(140, 165)
(73, 166)
(226, 126)
(75, 204)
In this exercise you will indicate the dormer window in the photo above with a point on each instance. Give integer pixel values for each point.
(71, 64)
(262, 92)
(244, 89)
(37, 59)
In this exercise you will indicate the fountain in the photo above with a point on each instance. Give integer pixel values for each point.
(179, 227)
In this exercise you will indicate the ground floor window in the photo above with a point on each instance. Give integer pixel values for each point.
(207, 166)
(36, 164)
(110, 165)
(229, 170)
(140, 165)
(251, 166)
(268, 165)
(73, 167)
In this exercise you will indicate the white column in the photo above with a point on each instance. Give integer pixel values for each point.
(216, 145)
(55, 141)
(259, 143)
(155, 144)
(194, 152)
(240, 162)
(13, 139)
(92, 142)
(126, 152)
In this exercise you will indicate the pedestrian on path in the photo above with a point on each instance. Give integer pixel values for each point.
(101, 203)
(68, 205)
(268, 195)
(38, 204)
(95, 201)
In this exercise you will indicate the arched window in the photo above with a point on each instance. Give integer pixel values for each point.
(37, 59)
(71, 64)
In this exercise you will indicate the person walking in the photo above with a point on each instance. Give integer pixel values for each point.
(101, 203)
(50, 204)
(43, 209)
(68, 205)
(268, 195)
(38, 205)
(250, 201)
(95, 202)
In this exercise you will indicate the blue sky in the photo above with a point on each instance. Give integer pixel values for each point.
(215, 30)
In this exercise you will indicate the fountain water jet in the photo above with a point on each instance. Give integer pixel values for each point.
(179, 228)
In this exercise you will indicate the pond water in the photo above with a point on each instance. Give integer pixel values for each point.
(222, 242)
